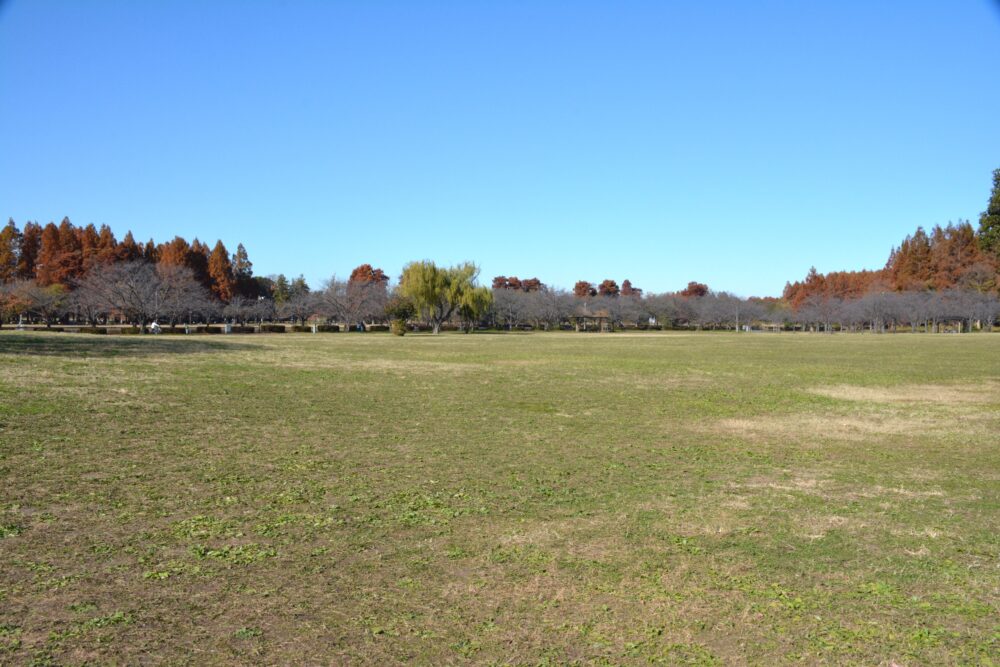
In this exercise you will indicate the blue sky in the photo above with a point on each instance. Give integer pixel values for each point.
(731, 143)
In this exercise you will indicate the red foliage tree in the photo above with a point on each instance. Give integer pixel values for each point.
(173, 253)
(71, 257)
(151, 252)
(107, 246)
(608, 287)
(220, 273)
(31, 245)
(366, 274)
(90, 242)
(583, 289)
(47, 270)
(695, 289)
(532, 285)
(10, 246)
(128, 250)
(629, 290)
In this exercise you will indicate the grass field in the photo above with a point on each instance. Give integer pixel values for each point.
(512, 499)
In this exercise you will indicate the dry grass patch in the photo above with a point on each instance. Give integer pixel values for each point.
(937, 394)
(810, 427)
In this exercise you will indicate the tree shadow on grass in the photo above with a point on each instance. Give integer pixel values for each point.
(88, 345)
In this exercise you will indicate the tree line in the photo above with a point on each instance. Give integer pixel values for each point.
(955, 256)
(946, 279)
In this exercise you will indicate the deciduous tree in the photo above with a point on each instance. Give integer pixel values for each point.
(438, 292)
(583, 289)
(220, 273)
(10, 249)
(695, 289)
(47, 266)
(608, 288)
(31, 244)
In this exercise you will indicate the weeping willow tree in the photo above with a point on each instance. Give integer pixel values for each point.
(438, 292)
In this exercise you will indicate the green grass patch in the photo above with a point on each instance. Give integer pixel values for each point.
(503, 499)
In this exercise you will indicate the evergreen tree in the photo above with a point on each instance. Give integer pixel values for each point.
(299, 287)
(989, 221)
(242, 266)
(281, 291)
(197, 261)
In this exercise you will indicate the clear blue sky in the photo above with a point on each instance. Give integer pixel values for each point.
(732, 143)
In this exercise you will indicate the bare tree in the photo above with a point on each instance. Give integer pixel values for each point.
(264, 309)
(777, 314)
(183, 297)
(240, 309)
(141, 292)
(875, 309)
(47, 304)
(547, 308)
(510, 307)
(132, 289)
(353, 302)
(300, 307)
(87, 305)
(986, 309)
(913, 307)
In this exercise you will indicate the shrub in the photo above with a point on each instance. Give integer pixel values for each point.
(130, 331)
(378, 327)
(241, 330)
(398, 327)
(400, 308)
(93, 330)
(211, 330)
(272, 328)
(328, 328)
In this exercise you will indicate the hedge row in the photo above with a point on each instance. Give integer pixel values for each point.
(219, 329)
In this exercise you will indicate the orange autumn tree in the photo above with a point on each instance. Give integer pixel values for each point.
(49, 256)
(366, 274)
(220, 273)
(10, 246)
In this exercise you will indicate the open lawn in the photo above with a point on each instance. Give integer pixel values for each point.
(512, 498)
